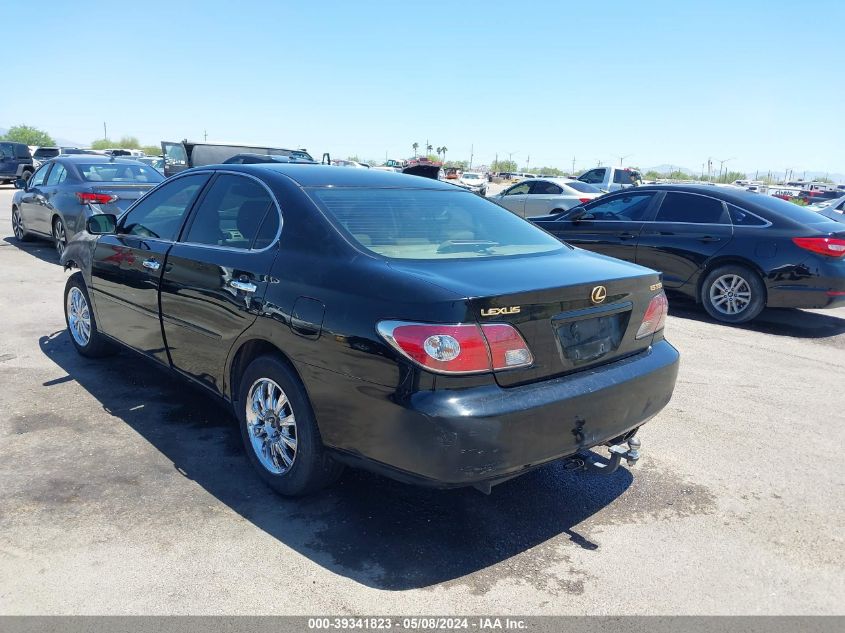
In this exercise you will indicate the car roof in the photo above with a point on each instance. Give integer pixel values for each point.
(325, 175)
(94, 158)
(730, 194)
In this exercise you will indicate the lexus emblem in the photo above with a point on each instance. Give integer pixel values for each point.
(598, 294)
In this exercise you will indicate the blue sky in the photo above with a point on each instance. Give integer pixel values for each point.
(674, 82)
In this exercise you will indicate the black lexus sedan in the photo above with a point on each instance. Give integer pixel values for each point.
(387, 321)
(733, 251)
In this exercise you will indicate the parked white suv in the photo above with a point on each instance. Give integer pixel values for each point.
(474, 181)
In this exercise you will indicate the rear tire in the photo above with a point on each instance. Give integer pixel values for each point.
(733, 294)
(80, 321)
(26, 174)
(279, 430)
(59, 235)
(21, 234)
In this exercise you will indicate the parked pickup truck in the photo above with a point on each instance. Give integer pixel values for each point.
(15, 162)
(612, 178)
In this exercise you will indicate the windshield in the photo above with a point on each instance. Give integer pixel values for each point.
(7, 150)
(471, 177)
(583, 187)
(118, 172)
(46, 152)
(430, 224)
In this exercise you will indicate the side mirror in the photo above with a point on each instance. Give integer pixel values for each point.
(20, 183)
(101, 224)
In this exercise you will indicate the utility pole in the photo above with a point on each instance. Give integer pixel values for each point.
(205, 135)
(622, 158)
(721, 164)
(527, 161)
(471, 154)
(105, 132)
(573, 167)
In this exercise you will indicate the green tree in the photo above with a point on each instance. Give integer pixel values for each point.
(548, 171)
(128, 142)
(415, 146)
(499, 166)
(463, 165)
(28, 135)
(730, 176)
(102, 143)
(443, 151)
(151, 150)
(825, 179)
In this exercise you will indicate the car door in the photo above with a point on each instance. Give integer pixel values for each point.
(513, 199)
(216, 275)
(32, 201)
(127, 265)
(541, 198)
(687, 230)
(47, 210)
(610, 226)
(594, 177)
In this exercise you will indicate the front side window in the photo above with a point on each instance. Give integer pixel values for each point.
(520, 189)
(593, 177)
(685, 207)
(159, 214)
(57, 176)
(430, 224)
(544, 188)
(235, 211)
(7, 150)
(627, 208)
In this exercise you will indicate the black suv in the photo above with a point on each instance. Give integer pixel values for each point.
(15, 162)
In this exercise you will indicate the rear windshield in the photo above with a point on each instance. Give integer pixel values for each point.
(789, 210)
(118, 172)
(583, 187)
(431, 225)
(46, 152)
(7, 150)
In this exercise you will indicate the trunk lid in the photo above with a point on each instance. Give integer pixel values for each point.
(550, 299)
(126, 193)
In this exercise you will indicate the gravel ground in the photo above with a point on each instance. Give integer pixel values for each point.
(122, 491)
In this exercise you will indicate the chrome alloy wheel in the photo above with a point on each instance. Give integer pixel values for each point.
(60, 236)
(730, 294)
(17, 224)
(78, 317)
(271, 425)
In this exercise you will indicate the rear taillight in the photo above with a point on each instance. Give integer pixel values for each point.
(655, 316)
(830, 246)
(86, 197)
(583, 200)
(465, 348)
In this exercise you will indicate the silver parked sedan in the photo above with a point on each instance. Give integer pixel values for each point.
(64, 192)
(542, 196)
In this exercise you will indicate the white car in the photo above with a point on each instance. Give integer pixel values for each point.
(474, 181)
(542, 196)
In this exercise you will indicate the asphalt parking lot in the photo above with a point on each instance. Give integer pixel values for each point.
(122, 491)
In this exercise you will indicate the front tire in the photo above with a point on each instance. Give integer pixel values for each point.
(21, 234)
(733, 294)
(81, 324)
(279, 430)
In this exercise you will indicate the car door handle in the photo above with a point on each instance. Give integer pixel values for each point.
(152, 264)
(627, 236)
(710, 238)
(245, 286)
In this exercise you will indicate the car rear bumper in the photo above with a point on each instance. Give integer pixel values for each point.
(451, 438)
(823, 287)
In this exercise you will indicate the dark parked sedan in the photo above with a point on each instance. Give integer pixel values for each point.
(57, 200)
(733, 251)
(353, 316)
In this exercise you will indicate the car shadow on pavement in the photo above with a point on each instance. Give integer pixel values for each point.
(380, 533)
(42, 249)
(778, 321)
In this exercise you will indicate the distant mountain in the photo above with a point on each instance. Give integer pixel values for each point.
(665, 169)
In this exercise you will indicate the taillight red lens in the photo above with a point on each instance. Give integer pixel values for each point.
(86, 197)
(583, 200)
(830, 246)
(464, 348)
(655, 316)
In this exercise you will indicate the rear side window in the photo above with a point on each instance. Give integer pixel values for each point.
(23, 151)
(57, 176)
(159, 215)
(741, 217)
(235, 211)
(689, 208)
(624, 177)
(430, 224)
(544, 188)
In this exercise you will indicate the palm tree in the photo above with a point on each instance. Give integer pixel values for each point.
(415, 146)
(428, 149)
(443, 150)
(437, 149)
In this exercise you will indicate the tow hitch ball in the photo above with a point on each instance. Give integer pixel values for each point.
(618, 452)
